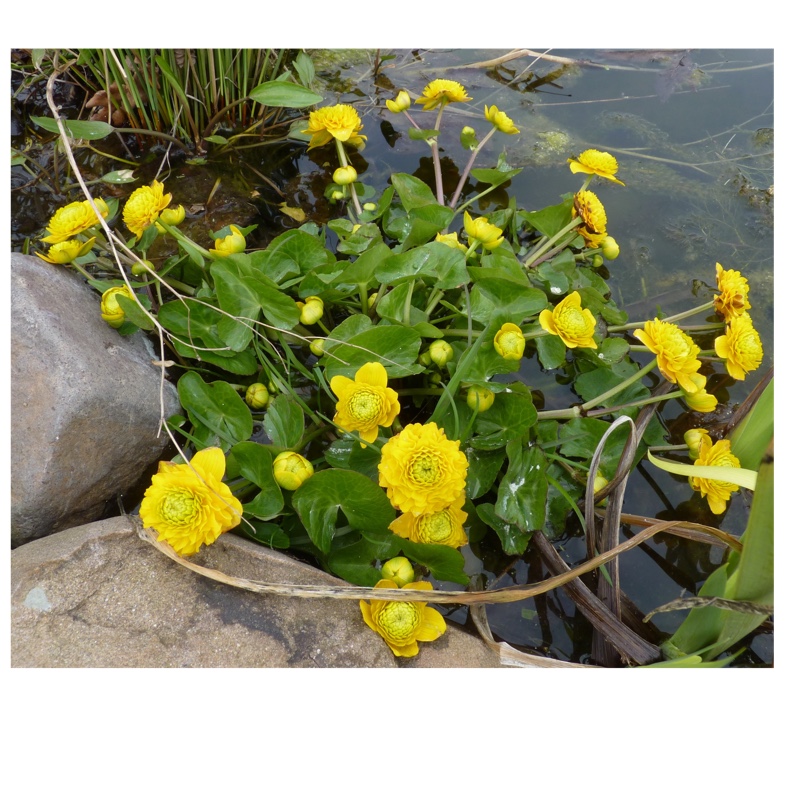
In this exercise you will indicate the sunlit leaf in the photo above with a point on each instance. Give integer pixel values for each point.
(737, 475)
(77, 129)
(281, 94)
(216, 406)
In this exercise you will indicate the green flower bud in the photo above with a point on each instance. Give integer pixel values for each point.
(291, 470)
(110, 309)
(173, 216)
(468, 140)
(344, 176)
(400, 570)
(337, 195)
(597, 260)
(441, 352)
(311, 311)
(141, 269)
(424, 358)
(479, 398)
(509, 342)
(257, 396)
(610, 248)
(317, 347)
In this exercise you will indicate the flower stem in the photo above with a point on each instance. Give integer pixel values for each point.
(465, 174)
(549, 242)
(437, 167)
(628, 326)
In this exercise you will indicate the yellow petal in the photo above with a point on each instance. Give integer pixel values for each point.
(373, 374)
(210, 462)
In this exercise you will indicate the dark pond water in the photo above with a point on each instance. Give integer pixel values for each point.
(693, 134)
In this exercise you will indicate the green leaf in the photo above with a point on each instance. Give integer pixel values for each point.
(349, 454)
(255, 463)
(134, 313)
(362, 270)
(490, 295)
(282, 94)
(355, 562)
(304, 67)
(319, 500)
(483, 469)
(513, 541)
(494, 177)
(284, 423)
(511, 416)
(421, 134)
(412, 192)
(552, 351)
(550, 220)
(522, 493)
(118, 177)
(266, 533)
(751, 436)
(394, 346)
(77, 129)
(445, 563)
(426, 222)
(294, 252)
(737, 475)
(216, 407)
(237, 299)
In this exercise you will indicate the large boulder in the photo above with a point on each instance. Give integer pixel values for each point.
(85, 403)
(100, 596)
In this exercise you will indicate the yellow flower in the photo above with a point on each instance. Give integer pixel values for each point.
(365, 403)
(73, 219)
(188, 504)
(67, 252)
(740, 346)
(110, 309)
(442, 92)
(479, 398)
(144, 207)
(700, 400)
(509, 342)
(716, 492)
(481, 230)
(733, 290)
(588, 207)
(400, 570)
(291, 470)
(401, 103)
(573, 324)
(173, 216)
(403, 624)
(234, 242)
(340, 122)
(451, 240)
(596, 162)
(441, 352)
(500, 120)
(675, 352)
(694, 439)
(440, 527)
(422, 470)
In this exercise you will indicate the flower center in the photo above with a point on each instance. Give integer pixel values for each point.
(180, 507)
(425, 468)
(572, 320)
(435, 528)
(508, 341)
(364, 405)
(399, 620)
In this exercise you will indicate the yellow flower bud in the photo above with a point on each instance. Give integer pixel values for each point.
(141, 269)
(479, 398)
(337, 195)
(344, 176)
(399, 570)
(317, 347)
(257, 396)
(110, 309)
(694, 438)
(401, 103)
(509, 342)
(481, 230)
(311, 311)
(441, 352)
(173, 216)
(291, 470)
(372, 299)
(468, 139)
(600, 482)
(234, 243)
(369, 206)
(610, 248)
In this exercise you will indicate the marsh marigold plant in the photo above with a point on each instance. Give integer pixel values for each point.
(402, 624)
(717, 493)
(442, 92)
(573, 324)
(366, 403)
(444, 527)
(422, 470)
(73, 219)
(188, 504)
(740, 346)
(340, 122)
(733, 290)
(144, 207)
(676, 353)
(596, 162)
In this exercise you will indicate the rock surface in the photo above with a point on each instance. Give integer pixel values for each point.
(99, 596)
(85, 403)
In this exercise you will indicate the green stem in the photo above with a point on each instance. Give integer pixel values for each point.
(436, 296)
(407, 306)
(437, 167)
(548, 242)
(465, 174)
(674, 318)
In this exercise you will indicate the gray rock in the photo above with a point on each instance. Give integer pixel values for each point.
(85, 403)
(99, 596)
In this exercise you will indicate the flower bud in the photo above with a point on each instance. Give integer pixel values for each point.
(479, 398)
(441, 352)
(173, 216)
(142, 269)
(257, 396)
(401, 103)
(344, 176)
(468, 140)
(317, 347)
(400, 570)
(337, 195)
(291, 470)
(369, 206)
(311, 311)
(600, 483)
(372, 299)
(425, 358)
(610, 248)
(228, 245)
(110, 309)
(694, 438)
(597, 260)
(509, 342)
